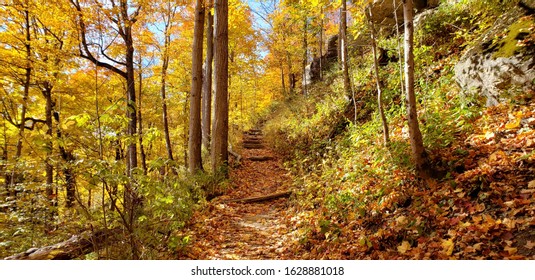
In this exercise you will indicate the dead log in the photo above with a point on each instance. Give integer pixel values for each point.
(260, 198)
(76, 246)
(260, 158)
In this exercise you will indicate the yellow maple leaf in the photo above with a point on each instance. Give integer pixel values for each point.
(404, 247)
(447, 246)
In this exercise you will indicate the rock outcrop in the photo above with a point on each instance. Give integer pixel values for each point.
(501, 64)
(313, 70)
(383, 10)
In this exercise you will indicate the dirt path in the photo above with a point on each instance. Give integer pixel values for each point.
(237, 230)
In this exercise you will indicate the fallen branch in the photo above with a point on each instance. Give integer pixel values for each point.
(235, 155)
(260, 198)
(76, 246)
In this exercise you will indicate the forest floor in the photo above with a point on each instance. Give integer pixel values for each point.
(229, 229)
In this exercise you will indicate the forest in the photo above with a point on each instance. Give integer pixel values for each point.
(267, 129)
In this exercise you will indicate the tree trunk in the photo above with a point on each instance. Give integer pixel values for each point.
(386, 138)
(68, 172)
(49, 168)
(282, 78)
(14, 179)
(207, 82)
(131, 99)
(343, 50)
(419, 154)
(131, 198)
(165, 66)
(321, 43)
(195, 136)
(123, 18)
(220, 123)
(140, 120)
(305, 57)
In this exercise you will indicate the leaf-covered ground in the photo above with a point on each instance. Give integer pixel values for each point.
(237, 230)
(484, 207)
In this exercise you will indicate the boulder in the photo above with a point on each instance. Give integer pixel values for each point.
(501, 64)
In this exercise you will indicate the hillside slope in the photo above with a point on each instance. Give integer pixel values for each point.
(356, 199)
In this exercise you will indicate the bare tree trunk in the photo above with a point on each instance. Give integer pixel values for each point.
(282, 78)
(343, 45)
(49, 168)
(185, 111)
(419, 154)
(140, 120)
(321, 44)
(305, 57)
(386, 138)
(68, 172)
(195, 136)
(207, 82)
(291, 76)
(165, 66)
(220, 123)
(27, 79)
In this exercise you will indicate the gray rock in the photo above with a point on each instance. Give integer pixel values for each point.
(499, 69)
(492, 77)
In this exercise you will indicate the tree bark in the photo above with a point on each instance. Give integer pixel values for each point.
(419, 154)
(195, 136)
(220, 123)
(207, 82)
(386, 138)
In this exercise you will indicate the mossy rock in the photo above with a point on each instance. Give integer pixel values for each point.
(518, 38)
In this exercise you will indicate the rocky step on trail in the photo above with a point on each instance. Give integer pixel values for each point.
(253, 139)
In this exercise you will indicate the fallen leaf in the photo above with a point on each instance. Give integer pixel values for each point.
(447, 247)
(510, 224)
(529, 245)
(510, 250)
(402, 220)
(404, 247)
